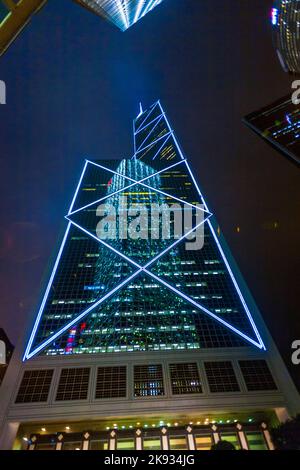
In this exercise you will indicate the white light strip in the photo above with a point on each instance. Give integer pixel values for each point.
(125, 187)
(122, 255)
(184, 296)
(146, 117)
(227, 264)
(138, 11)
(148, 135)
(201, 307)
(153, 143)
(153, 189)
(149, 123)
(29, 344)
(82, 315)
(122, 13)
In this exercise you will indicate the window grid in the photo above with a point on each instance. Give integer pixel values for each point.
(73, 384)
(185, 379)
(111, 382)
(257, 375)
(35, 386)
(148, 380)
(221, 377)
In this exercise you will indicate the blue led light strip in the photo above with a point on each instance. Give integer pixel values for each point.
(154, 142)
(148, 135)
(149, 187)
(216, 238)
(140, 269)
(126, 281)
(147, 115)
(169, 286)
(147, 125)
(54, 269)
(125, 187)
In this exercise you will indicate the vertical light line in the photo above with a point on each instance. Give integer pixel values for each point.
(41, 309)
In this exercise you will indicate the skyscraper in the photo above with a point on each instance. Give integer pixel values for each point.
(279, 125)
(14, 16)
(285, 19)
(123, 13)
(144, 341)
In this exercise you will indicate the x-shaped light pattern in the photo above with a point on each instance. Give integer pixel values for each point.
(139, 268)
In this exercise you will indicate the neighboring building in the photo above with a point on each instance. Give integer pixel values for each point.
(5, 353)
(285, 19)
(143, 343)
(279, 125)
(14, 16)
(123, 13)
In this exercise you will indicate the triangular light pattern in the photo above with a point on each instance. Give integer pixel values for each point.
(112, 295)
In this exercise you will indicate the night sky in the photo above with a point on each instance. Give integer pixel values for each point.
(74, 83)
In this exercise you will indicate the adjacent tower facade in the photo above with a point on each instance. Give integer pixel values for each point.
(143, 340)
(279, 125)
(285, 19)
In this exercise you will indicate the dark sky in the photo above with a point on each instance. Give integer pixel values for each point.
(73, 86)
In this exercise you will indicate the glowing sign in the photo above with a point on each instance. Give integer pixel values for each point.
(274, 16)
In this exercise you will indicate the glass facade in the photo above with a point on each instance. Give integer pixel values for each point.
(285, 18)
(140, 293)
(123, 13)
(279, 125)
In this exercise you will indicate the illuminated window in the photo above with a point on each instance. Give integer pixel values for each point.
(232, 438)
(256, 441)
(185, 379)
(148, 381)
(178, 443)
(125, 444)
(203, 442)
(151, 443)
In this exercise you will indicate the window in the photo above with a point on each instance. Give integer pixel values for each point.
(76, 445)
(35, 386)
(178, 443)
(152, 443)
(221, 377)
(148, 381)
(232, 438)
(111, 382)
(98, 445)
(45, 446)
(125, 444)
(203, 442)
(257, 375)
(185, 379)
(73, 384)
(256, 441)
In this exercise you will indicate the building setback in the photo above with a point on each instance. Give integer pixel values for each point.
(144, 342)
